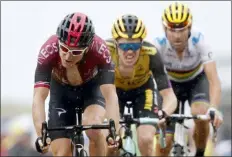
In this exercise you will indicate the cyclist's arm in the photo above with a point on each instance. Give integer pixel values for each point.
(108, 89)
(164, 86)
(214, 83)
(41, 90)
(38, 108)
(169, 100)
(211, 73)
(106, 81)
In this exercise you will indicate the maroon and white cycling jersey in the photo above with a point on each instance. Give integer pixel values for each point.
(96, 61)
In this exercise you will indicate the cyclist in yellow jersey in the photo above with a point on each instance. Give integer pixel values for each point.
(137, 64)
(191, 68)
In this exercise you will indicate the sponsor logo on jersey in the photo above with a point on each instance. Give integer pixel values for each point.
(60, 111)
(104, 51)
(46, 51)
(140, 67)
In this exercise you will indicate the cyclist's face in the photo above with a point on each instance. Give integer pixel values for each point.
(178, 38)
(128, 50)
(68, 55)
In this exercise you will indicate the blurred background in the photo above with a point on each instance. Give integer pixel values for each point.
(25, 26)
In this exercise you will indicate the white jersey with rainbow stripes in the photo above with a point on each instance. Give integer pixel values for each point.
(196, 54)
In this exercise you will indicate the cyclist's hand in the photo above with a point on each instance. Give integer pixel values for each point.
(40, 147)
(218, 119)
(162, 116)
(114, 144)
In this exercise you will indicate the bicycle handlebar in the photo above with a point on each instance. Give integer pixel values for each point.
(80, 127)
(140, 121)
(176, 117)
(129, 121)
(110, 126)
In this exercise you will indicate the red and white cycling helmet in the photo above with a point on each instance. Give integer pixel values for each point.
(76, 30)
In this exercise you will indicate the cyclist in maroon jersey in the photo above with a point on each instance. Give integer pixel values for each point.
(75, 66)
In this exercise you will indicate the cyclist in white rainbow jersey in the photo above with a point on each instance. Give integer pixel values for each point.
(191, 68)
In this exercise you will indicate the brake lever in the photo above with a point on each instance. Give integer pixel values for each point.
(44, 133)
(112, 129)
(212, 116)
(163, 133)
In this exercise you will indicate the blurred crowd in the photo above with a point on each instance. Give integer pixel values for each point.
(18, 136)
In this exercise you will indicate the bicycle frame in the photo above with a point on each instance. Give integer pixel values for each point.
(129, 149)
(180, 145)
(180, 133)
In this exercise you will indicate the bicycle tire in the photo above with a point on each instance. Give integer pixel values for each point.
(82, 153)
(128, 155)
(79, 145)
(178, 150)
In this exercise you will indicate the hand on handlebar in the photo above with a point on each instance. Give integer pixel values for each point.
(114, 144)
(162, 116)
(42, 143)
(113, 140)
(218, 119)
(40, 147)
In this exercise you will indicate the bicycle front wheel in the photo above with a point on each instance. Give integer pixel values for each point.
(80, 153)
(178, 150)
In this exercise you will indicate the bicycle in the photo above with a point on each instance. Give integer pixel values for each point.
(129, 147)
(180, 147)
(77, 137)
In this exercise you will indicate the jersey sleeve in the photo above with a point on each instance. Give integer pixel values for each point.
(45, 62)
(105, 66)
(43, 75)
(203, 48)
(159, 72)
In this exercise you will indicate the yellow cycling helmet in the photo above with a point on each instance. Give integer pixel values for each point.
(129, 26)
(177, 16)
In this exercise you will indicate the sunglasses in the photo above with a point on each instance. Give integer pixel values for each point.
(129, 46)
(179, 26)
(73, 52)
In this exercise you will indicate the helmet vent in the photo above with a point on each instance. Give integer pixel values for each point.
(86, 20)
(65, 35)
(182, 14)
(71, 16)
(84, 29)
(78, 28)
(72, 28)
(78, 19)
(90, 28)
(72, 39)
(68, 24)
